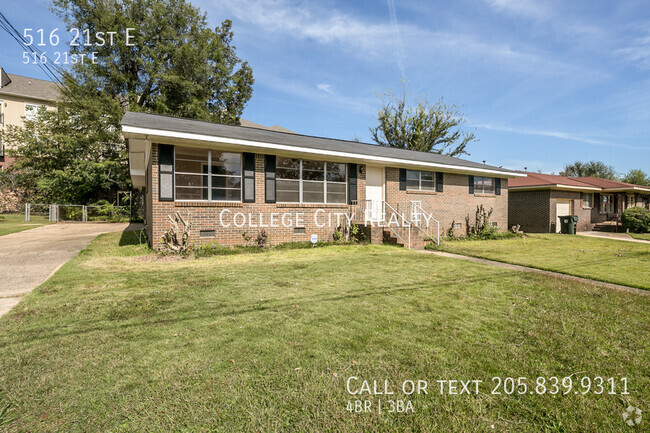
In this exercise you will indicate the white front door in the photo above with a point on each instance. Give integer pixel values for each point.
(562, 208)
(375, 193)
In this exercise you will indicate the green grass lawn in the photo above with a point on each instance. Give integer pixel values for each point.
(642, 236)
(609, 260)
(15, 222)
(122, 340)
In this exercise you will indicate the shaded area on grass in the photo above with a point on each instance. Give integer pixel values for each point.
(122, 339)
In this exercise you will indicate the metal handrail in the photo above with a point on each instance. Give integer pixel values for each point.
(429, 218)
(407, 222)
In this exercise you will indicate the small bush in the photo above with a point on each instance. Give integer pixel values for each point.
(636, 219)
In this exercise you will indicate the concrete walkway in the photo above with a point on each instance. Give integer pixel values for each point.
(540, 271)
(30, 257)
(616, 236)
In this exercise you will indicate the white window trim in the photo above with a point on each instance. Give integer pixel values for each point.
(591, 201)
(494, 185)
(325, 181)
(37, 106)
(209, 174)
(419, 189)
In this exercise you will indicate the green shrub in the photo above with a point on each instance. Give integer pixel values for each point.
(103, 210)
(636, 219)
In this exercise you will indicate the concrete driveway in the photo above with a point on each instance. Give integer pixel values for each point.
(30, 257)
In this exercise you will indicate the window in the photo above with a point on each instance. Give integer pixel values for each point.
(587, 200)
(420, 180)
(302, 181)
(606, 203)
(207, 175)
(31, 111)
(483, 185)
(630, 201)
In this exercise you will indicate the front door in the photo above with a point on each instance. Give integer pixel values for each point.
(374, 193)
(562, 208)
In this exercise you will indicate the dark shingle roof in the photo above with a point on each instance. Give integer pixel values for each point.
(30, 88)
(167, 123)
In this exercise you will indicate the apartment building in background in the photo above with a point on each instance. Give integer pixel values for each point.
(20, 99)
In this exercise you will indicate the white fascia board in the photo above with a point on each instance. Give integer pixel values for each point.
(556, 186)
(623, 189)
(150, 133)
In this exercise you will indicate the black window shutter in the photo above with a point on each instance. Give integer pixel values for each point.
(352, 183)
(497, 186)
(439, 181)
(249, 177)
(596, 203)
(269, 178)
(471, 184)
(165, 172)
(402, 179)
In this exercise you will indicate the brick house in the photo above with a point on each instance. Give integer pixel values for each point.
(20, 99)
(229, 181)
(536, 201)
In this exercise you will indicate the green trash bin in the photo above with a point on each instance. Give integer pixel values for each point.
(568, 224)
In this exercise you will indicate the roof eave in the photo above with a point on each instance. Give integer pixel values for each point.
(627, 188)
(19, 95)
(553, 186)
(160, 135)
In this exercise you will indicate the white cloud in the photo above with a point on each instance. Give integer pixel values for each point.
(379, 40)
(319, 98)
(327, 88)
(637, 52)
(561, 135)
(526, 8)
(316, 23)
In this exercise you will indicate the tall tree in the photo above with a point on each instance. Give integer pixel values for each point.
(175, 64)
(589, 169)
(421, 126)
(637, 177)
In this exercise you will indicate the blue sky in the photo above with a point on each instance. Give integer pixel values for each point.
(542, 83)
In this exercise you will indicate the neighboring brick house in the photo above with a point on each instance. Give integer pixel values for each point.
(20, 99)
(232, 180)
(537, 201)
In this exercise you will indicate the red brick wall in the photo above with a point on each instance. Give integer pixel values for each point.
(536, 211)
(529, 209)
(5, 161)
(454, 204)
(206, 216)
